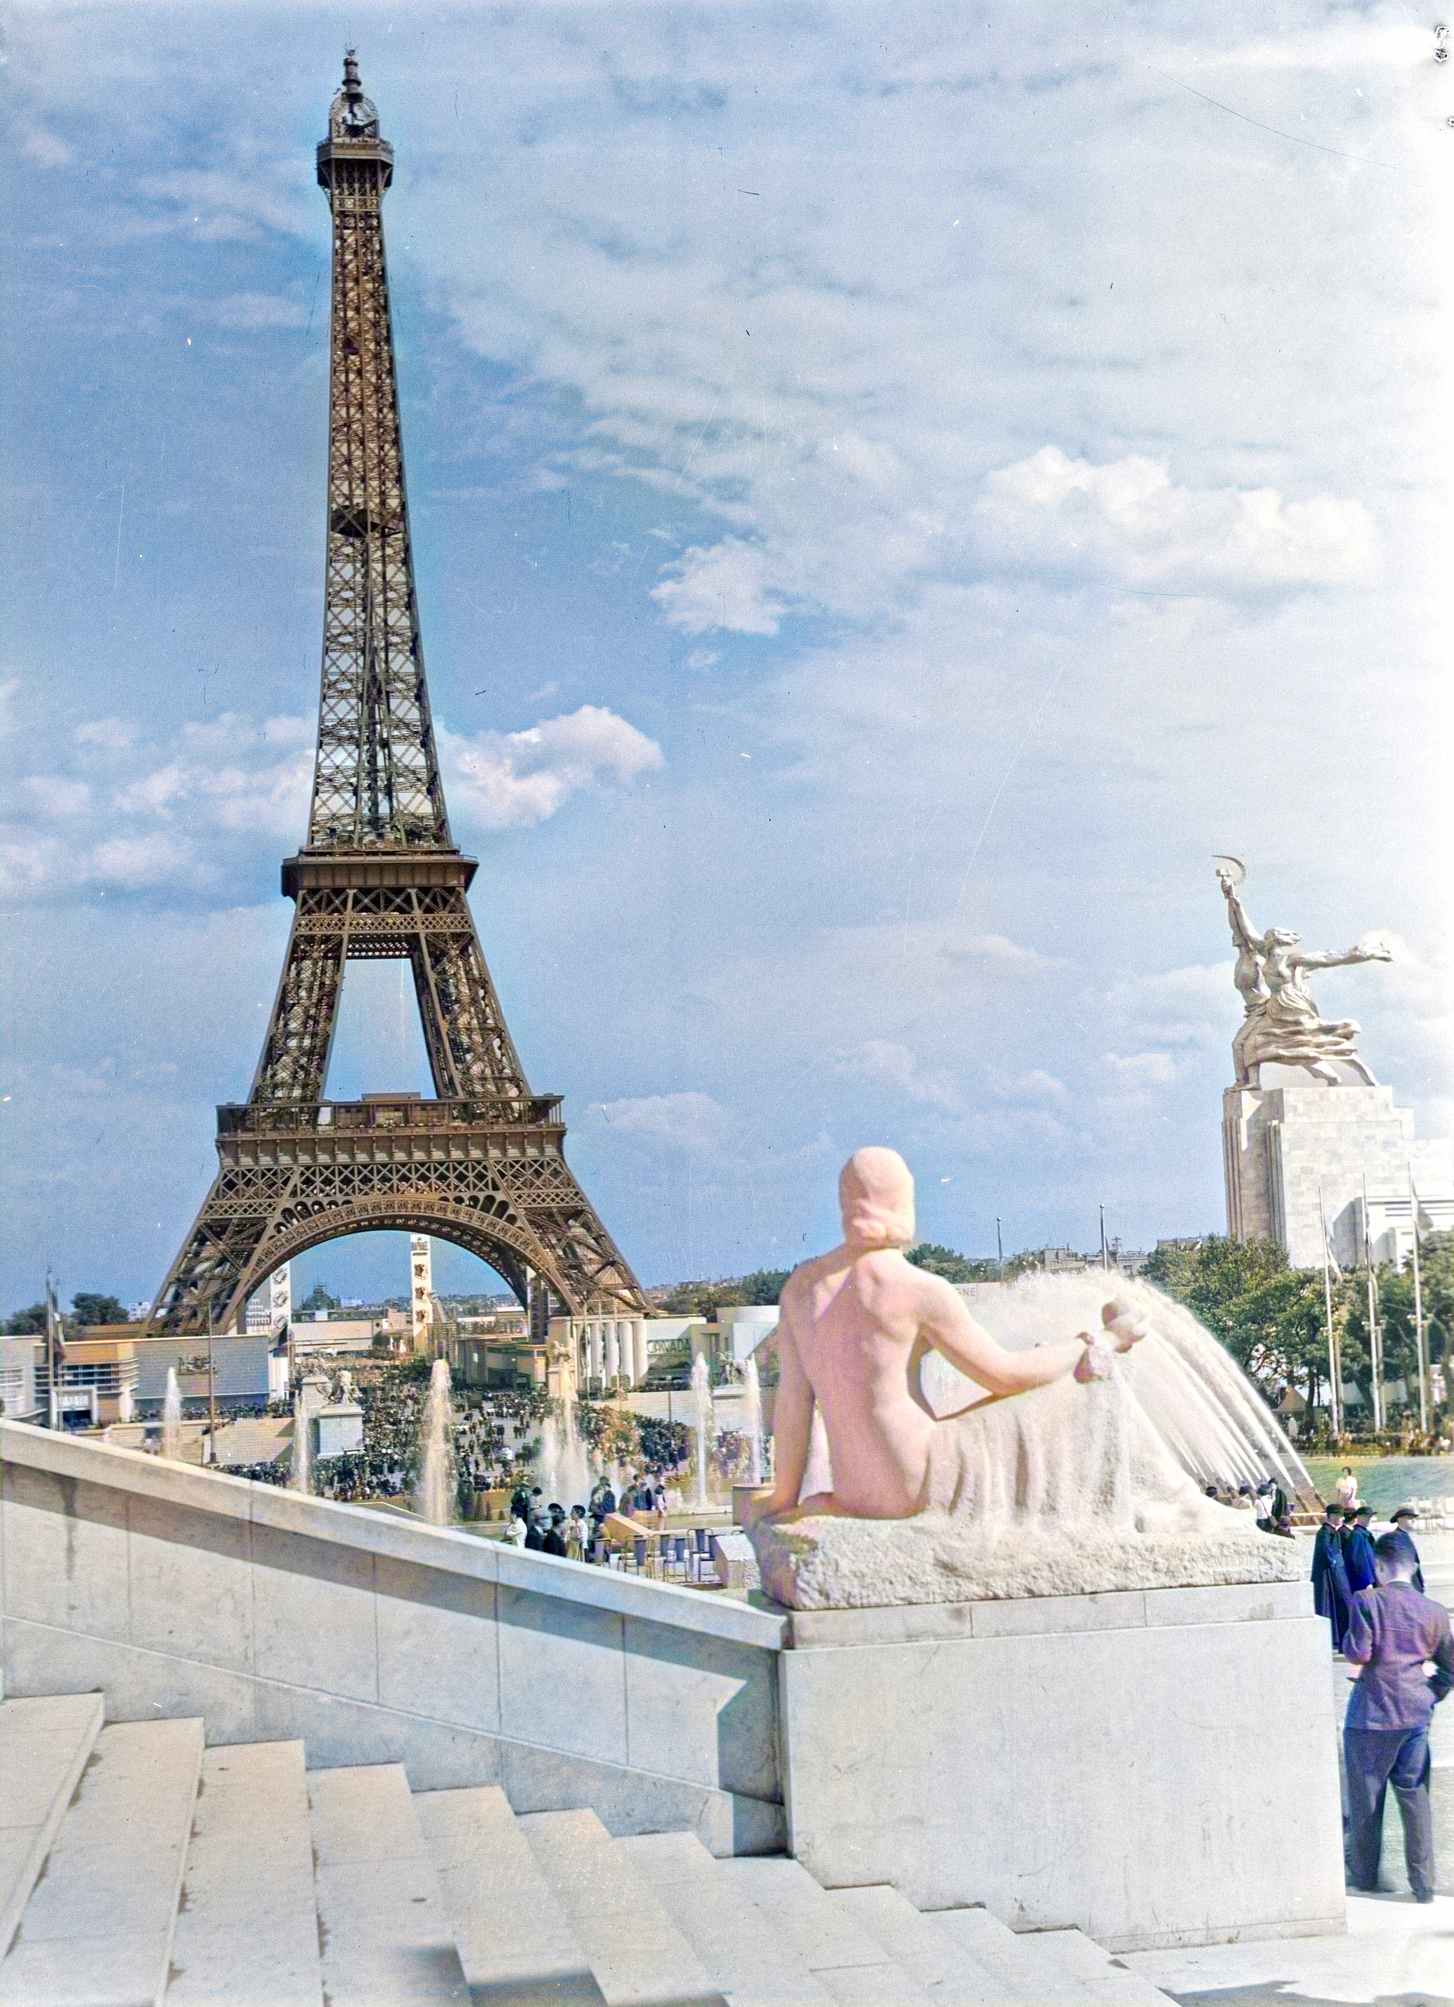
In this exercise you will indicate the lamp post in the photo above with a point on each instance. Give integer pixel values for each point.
(211, 1396)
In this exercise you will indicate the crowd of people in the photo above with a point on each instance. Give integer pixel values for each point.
(545, 1526)
(1268, 1503)
(1370, 1589)
(1345, 1553)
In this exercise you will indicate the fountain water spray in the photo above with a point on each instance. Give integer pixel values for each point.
(434, 1492)
(702, 1404)
(752, 1419)
(172, 1417)
(1204, 1408)
(547, 1468)
(300, 1478)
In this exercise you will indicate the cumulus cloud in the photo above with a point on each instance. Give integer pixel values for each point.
(1141, 1069)
(512, 780)
(54, 795)
(724, 587)
(689, 1121)
(892, 1064)
(107, 735)
(255, 313)
(1129, 520)
(44, 148)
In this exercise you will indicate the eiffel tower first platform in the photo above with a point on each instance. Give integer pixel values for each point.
(379, 877)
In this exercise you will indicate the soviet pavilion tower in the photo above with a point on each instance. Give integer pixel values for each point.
(379, 876)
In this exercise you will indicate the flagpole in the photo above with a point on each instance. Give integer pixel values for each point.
(1375, 1349)
(999, 1248)
(1419, 1352)
(1335, 1391)
(52, 1316)
(1105, 1257)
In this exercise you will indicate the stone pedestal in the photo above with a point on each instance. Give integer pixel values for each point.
(1279, 1143)
(1154, 1767)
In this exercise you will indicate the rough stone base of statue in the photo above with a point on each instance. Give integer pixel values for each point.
(833, 1563)
(1284, 1147)
(1154, 1767)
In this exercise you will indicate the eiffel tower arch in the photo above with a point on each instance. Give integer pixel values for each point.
(482, 1163)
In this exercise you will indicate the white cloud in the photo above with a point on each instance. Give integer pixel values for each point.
(1129, 520)
(887, 1061)
(1035, 1084)
(512, 780)
(689, 1121)
(251, 313)
(107, 735)
(53, 795)
(724, 587)
(43, 148)
(1141, 1069)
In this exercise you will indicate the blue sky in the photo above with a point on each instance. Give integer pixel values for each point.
(894, 491)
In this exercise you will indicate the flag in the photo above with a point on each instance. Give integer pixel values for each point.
(1330, 1259)
(55, 1330)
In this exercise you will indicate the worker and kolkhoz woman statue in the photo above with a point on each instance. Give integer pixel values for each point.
(1282, 1025)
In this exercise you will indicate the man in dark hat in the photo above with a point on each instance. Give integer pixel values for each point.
(1358, 1550)
(1392, 1631)
(1330, 1577)
(1404, 1522)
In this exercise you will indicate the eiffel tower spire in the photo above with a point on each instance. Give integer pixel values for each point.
(379, 877)
(377, 777)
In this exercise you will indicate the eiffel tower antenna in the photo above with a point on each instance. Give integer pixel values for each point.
(481, 1164)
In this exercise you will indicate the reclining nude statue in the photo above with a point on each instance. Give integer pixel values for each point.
(1055, 1479)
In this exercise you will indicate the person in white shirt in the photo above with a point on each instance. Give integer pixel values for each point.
(1346, 1490)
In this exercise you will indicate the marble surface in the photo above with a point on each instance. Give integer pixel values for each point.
(1113, 1779)
(829, 1563)
(376, 1640)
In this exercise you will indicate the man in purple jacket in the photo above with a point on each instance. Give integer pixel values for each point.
(1392, 1631)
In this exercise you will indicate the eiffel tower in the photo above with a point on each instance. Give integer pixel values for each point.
(380, 877)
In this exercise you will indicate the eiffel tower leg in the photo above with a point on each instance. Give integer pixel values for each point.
(208, 1285)
(294, 1061)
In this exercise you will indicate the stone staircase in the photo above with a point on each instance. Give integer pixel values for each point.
(138, 1866)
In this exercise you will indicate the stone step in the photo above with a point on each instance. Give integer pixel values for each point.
(1049, 1953)
(247, 1929)
(993, 1946)
(383, 1929)
(947, 1968)
(515, 1940)
(44, 1745)
(638, 1955)
(97, 1931)
(744, 1956)
(1062, 1967)
(847, 1961)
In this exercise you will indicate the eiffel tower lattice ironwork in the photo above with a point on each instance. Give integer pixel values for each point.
(379, 876)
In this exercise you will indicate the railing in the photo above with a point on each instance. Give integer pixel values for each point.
(353, 1117)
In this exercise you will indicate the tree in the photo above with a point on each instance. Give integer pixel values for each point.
(764, 1285)
(937, 1260)
(318, 1298)
(27, 1323)
(703, 1299)
(87, 1307)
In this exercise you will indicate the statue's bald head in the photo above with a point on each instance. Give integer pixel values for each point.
(876, 1194)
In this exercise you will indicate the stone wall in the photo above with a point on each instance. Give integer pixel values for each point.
(272, 1616)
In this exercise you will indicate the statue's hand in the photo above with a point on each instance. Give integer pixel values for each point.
(1095, 1362)
(1124, 1323)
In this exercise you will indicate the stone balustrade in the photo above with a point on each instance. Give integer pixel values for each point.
(272, 1615)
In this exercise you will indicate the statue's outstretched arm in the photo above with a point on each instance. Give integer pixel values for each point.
(792, 1423)
(1311, 958)
(951, 1330)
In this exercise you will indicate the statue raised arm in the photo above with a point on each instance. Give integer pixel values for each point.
(1281, 1023)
